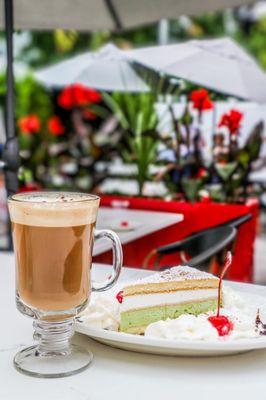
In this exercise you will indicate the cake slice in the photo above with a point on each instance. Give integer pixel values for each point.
(166, 294)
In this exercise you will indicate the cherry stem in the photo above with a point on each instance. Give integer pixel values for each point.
(227, 264)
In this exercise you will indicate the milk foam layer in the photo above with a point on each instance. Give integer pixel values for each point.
(53, 209)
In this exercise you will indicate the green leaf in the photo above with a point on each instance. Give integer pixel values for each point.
(191, 188)
(39, 154)
(186, 118)
(31, 98)
(217, 193)
(254, 142)
(113, 103)
(243, 158)
(134, 111)
(225, 170)
(25, 141)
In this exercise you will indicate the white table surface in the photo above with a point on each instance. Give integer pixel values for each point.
(118, 374)
(146, 222)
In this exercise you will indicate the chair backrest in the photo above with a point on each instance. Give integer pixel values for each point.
(202, 246)
(198, 242)
(202, 260)
(212, 241)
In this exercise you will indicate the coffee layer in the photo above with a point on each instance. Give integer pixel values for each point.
(52, 265)
(53, 209)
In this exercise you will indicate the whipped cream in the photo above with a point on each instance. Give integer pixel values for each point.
(233, 301)
(184, 327)
(243, 324)
(102, 312)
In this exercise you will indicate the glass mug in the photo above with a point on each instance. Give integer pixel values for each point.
(53, 234)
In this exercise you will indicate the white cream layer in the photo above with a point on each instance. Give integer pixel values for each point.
(156, 299)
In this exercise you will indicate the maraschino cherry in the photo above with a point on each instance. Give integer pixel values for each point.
(221, 323)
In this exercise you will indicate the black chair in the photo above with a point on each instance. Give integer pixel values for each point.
(199, 249)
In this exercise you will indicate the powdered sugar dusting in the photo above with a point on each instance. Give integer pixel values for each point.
(53, 209)
(174, 274)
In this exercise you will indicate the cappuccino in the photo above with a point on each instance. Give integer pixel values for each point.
(53, 240)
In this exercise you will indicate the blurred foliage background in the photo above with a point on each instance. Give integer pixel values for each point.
(67, 159)
(37, 49)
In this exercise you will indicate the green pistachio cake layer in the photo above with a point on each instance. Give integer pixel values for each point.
(136, 321)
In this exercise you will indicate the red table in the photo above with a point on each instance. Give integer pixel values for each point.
(197, 216)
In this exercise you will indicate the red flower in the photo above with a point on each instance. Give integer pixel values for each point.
(201, 173)
(29, 187)
(65, 98)
(93, 96)
(77, 95)
(55, 126)
(232, 121)
(80, 95)
(29, 124)
(201, 100)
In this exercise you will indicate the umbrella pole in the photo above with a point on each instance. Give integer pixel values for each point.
(10, 128)
(10, 155)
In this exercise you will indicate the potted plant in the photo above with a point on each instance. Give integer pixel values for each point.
(208, 192)
(60, 140)
(138, 120)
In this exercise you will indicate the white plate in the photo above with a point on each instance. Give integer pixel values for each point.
(181, 347)
(144, 344)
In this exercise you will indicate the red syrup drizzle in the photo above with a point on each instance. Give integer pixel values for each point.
(119, 296)
(261, 327)
(220, 322)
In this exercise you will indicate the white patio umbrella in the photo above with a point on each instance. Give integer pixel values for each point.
(107, 69)
(218, 64)
(91, 15)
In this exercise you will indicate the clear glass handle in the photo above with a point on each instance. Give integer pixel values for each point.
(117, 259)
